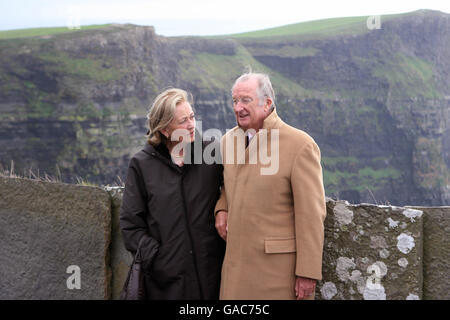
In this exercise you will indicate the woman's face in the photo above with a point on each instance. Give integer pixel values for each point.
(182, 126)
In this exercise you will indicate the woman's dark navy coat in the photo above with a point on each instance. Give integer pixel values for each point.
(169, 210)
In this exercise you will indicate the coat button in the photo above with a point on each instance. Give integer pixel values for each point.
(190, 251)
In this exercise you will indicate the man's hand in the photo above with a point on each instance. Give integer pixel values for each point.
(304, 287)
(221, 223)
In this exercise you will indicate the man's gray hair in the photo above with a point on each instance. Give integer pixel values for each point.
(264, 86)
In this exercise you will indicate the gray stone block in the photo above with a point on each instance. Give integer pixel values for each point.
(371, 252)
(436, 255)
(121, 259)
(45, 228)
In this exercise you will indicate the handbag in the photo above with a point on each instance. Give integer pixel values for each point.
(134, 287)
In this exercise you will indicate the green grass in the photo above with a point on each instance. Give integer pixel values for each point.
(333, 161)
(39, 32)
(408, 76)
(90, 67)
(285, 51)
(381, 174)
(362, 180)
(317, 28)
(325, 26)
(218, 72)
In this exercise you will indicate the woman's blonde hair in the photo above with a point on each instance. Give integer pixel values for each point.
(162, 112)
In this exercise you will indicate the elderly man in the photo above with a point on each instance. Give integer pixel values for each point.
(272, 222)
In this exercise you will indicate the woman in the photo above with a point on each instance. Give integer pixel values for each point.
(168, 206)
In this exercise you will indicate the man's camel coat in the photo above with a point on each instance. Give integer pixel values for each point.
(275, 220)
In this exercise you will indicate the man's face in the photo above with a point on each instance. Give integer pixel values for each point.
(246, 105)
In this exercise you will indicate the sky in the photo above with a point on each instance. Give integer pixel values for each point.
(196, 17)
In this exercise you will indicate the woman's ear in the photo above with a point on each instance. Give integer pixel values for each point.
(164, 132)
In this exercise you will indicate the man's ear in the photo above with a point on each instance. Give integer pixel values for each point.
(268, 104)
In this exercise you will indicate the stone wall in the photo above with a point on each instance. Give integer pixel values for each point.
(45, 228)
(370, 251)
(436, 253)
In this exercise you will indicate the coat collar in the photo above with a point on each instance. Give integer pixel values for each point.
(161, 153)
(273, 121)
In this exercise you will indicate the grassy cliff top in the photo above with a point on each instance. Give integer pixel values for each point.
(323, 27)
(39, 32)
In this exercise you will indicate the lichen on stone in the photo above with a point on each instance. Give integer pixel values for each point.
(405, 243)
(412, 214)
(328, 290)
(343, 215)
(403, 262)
(343, 266)
(392, 223)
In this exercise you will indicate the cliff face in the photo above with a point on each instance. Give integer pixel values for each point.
(383, 126)
(376, 101)
(75, 105)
